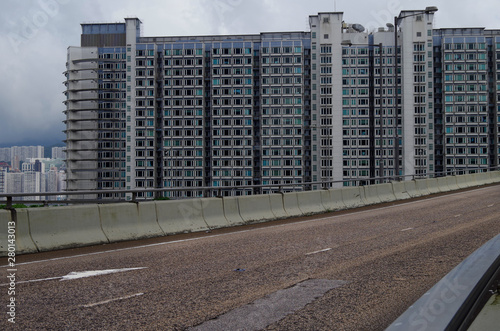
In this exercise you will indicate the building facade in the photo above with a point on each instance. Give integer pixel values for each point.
(5, 154)
(14, 182)
(334, 106)
(3, 175)
(467, 108)
(59, 153)
(18, 154)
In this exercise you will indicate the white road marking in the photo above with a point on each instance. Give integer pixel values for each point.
(84, 274)
(111, 300)
(33, 281)
(458, 215)
(77, 275)
(491, 205)
(407, 229)
(244, 231)
(321, 251)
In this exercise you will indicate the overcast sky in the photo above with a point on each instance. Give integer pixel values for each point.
(35, 34)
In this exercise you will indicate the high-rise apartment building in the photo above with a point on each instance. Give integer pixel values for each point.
(59, 152)
(5, 154)
(20, 154)
(467, 85)
(3, 175)
(336, 103)
(14, 182)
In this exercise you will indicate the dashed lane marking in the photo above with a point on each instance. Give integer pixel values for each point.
(112, 300)
(320, 251)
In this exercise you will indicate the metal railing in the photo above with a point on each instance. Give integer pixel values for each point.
(8, 199)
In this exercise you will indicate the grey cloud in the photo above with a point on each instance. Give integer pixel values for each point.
(31, 66)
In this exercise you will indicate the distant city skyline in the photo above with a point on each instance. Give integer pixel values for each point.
(47, 148)
(31, 88)
(48, 143)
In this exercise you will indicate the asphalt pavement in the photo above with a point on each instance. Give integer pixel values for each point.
(350, 270)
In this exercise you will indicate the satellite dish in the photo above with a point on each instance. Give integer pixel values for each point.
(358, 27)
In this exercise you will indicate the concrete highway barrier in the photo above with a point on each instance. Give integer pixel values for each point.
(412, 189)
(255, 208)
(495, 176)
(180, 216)
(5, 219)
(464, 181)
(124, 222)
(452, 183)
(51, 228)
(291, 204)
(334, 201)
(23, 243)
(213, 213)
(147, 211)
(277, 206)
(370, 194)
(421, 185)
(385, 192)
(54, 228)
(432, 185)
(351, 196)
(399, 190)
(310, 202)
(232, 211)
(443, 184)
(482, 178)
(362, 196)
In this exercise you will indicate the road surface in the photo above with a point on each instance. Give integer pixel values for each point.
(351, 270)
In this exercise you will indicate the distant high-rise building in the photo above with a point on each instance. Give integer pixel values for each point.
(14, 182)
(3, 175)
(59, 152)
(19, 154)
(5, 154)
(33, 182)
(61, 181)
(52, 182)
(335, 103)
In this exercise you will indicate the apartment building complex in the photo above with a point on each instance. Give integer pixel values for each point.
(15, 155)
(334, 104)
(37, 175)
